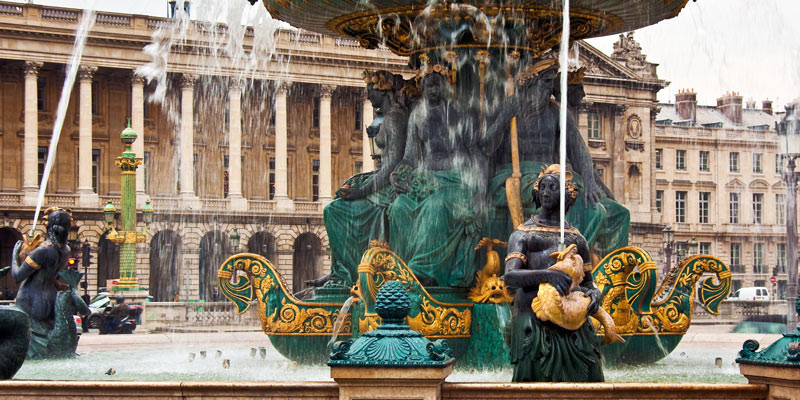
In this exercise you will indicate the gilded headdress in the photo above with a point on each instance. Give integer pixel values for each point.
(378, 79)
(533, 70)
(555, 169)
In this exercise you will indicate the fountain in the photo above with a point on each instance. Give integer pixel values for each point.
(461, 144)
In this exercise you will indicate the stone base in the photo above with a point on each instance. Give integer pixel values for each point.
(238, 203)
(30, 197)
(784, 382)
(390, 383)
(88, 199)
(284, 204)
(191, 202)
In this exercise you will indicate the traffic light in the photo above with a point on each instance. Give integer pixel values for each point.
(71, 263)
(86, 257)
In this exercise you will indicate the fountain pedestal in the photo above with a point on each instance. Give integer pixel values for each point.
(390, 383)
(783, 381)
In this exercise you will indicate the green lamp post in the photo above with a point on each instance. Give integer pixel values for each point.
(127, 236)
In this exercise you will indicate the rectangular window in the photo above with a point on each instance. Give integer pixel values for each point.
(358, 167)
(703, 207)
(273, 111)
(227, 108)
(95, 168)
(315, 117)
(146, 171)
(733, 162)
(593, 120)
(42, 161)
(781, 258)
(758, 201)
(315, 180)
(226, 175)
(659, 154)
(271, 178)
(704, 161)
(95, 98)
(659, 199)
(705, 247)
(41, 94)
(778, 164)
(357, 119)
(680, 206)
(780, 209)
(734, 208)
(680, 160)
(757, 167)
(736, 261)
(682, 249)
(758, 258)
(195, 178)
(736, 285)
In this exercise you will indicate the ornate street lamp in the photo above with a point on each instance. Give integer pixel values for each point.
(127, 236)
(668, 238)
(235, 239)
(789, 141)
(693, 245)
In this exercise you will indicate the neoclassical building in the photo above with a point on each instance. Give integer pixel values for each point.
(262, 147)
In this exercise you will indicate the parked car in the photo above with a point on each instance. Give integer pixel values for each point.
(751, 293)
(78, 324)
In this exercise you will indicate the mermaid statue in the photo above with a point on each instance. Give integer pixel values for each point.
(541, 349)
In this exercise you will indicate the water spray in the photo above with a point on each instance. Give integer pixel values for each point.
(562, 119)
(87, 22)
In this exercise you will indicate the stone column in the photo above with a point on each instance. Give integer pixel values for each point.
(30, 164)
(137, 123)
(284, 203)
(86, 195)
(618, 152)
(366, 118)
(238, 202)
(186, 176)
(325, 172)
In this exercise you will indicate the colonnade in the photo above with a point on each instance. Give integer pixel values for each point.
(187, 194)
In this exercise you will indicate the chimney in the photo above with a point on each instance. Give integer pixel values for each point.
(730, 105)
(766, 106)
(686, 104)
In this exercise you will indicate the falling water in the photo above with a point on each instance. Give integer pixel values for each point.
(652, 327)
(337, 326)
(562, 117)
(87, 21)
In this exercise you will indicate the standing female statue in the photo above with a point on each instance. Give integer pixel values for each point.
(358, 214)
(543, 351)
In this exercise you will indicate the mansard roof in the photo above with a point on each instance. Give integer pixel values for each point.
(711, 117)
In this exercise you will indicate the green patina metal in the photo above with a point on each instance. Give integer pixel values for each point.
(784, 352)
(393, 344)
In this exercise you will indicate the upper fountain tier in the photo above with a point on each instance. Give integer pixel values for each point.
(410, 27)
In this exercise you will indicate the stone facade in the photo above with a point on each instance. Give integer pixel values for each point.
(269, 150)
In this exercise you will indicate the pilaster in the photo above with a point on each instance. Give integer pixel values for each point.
(366, 151)
(284, 203)
(30, 167)
(187, 194)
(325, 172)
(86, 194)
(237, 201)
(137, 122)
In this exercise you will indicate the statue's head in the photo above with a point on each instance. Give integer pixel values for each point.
(538, 80)
(58, 222)
(546, 189)
(379, 83)
(433, 87)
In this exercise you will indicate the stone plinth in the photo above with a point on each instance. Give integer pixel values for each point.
(390, 383)
(783, 381)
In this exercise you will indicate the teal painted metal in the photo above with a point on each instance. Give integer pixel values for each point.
(785, 352)
(393, 344)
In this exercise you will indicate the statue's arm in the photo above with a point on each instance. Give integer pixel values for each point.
(517, 273)
(392, 156)
(411, 158)
(22, 271)
(581, 160)
(497, 130)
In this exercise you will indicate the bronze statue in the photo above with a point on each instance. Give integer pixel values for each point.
(38, 273)
(543, 351)
(358, 214)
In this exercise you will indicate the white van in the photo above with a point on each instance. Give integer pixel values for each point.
(751, 293)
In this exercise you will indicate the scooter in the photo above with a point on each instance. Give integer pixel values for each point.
(125, 325)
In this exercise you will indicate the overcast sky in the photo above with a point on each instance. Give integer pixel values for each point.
(713, 46)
